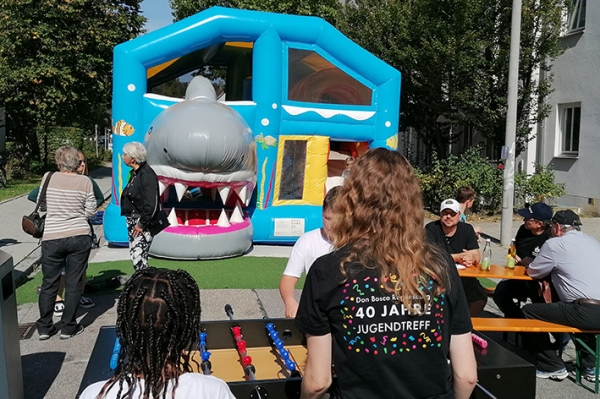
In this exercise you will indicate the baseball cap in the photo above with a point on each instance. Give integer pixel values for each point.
(450, 204)
(538, 211)
(566, 217)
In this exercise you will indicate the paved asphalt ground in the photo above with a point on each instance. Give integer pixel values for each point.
(53, 369)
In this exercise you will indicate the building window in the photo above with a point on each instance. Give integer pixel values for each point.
(577, 17)
(569, 122)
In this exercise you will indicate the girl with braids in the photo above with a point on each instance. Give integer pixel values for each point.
(158, 323)
(385, 306)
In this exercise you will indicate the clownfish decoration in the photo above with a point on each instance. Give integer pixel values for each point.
(123, 128)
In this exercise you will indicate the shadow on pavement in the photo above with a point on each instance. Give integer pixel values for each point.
(103, 304)
(39, 372)
(5, 242)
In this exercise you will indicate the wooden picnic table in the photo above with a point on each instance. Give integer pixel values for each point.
(496, 271)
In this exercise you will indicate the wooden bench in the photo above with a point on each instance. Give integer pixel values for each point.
(532, 325)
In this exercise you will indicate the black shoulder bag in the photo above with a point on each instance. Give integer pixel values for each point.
(33, 224)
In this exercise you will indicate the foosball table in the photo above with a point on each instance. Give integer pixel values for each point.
(257, 358)
(266, 359)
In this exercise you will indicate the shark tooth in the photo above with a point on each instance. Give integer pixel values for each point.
(181, 189)
(223, 221)
(173, 218)
(242, 192)
(236, 215)
(224, 193)
(161, 187)
(213, 194)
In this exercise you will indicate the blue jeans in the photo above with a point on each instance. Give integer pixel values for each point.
(71, 253)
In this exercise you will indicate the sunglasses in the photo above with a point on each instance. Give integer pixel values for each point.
(81, 161)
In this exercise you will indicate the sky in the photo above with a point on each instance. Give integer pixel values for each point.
(158, 13)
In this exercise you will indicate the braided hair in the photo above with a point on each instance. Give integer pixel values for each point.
(158, 322)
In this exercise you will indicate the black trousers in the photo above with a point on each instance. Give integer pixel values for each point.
(585, 317)
(508, 290)
(73, 254)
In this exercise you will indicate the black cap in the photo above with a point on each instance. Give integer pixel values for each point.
(566, 217)
(538, 211)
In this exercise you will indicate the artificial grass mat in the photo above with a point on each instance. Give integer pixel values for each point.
(245, 272)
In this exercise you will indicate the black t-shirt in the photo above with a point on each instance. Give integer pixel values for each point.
(463, 238)
(379, 349)
(528, 244)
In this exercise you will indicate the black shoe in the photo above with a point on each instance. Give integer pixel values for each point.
(46, 336)
(78, 330)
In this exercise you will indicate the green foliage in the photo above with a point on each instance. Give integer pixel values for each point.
(443, 177)
(172, 88)
(53, 138)
(454, 59)
(326, 9)
(56, 63)
(538, 187)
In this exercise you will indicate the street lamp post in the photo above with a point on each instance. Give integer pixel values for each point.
(508, 181)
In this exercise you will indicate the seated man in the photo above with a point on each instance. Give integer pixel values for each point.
(530, 237)
(570, 258)
(308, 248)
(460, 241)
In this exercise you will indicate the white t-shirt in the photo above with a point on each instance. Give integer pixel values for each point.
(308, 248)
(191, 386)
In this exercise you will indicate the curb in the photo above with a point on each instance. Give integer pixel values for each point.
(27, 266)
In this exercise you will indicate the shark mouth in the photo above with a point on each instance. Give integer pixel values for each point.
(205, 203)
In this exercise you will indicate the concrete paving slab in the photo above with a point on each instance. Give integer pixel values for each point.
(245, 304)
(271, 302)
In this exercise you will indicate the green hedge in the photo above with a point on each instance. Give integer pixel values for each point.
(441, 179)
(22, 164)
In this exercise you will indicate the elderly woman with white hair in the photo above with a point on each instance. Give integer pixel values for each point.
(140, 204)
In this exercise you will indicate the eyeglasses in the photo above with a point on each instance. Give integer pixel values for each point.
(81, 161)
(449, 213)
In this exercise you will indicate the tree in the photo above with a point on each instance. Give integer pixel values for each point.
(172, 88)
(454, 58)
(56, 62)
(326, 9)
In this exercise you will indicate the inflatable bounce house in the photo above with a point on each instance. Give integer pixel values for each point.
(254, 164)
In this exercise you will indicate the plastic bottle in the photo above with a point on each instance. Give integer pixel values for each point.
(511, 257)
(487, 256)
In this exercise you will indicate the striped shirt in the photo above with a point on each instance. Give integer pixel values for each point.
(70, 202)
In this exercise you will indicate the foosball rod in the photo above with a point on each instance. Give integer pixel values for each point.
(279, 345)
(204, 354)
(236, 331)
(485, 391)
(229, 311)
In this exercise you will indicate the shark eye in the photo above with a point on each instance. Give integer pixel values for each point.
(165, 150)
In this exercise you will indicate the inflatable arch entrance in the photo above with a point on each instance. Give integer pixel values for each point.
(303, 90)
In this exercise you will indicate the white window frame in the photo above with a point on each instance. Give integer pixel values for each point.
(566, 129)
(576, 21)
